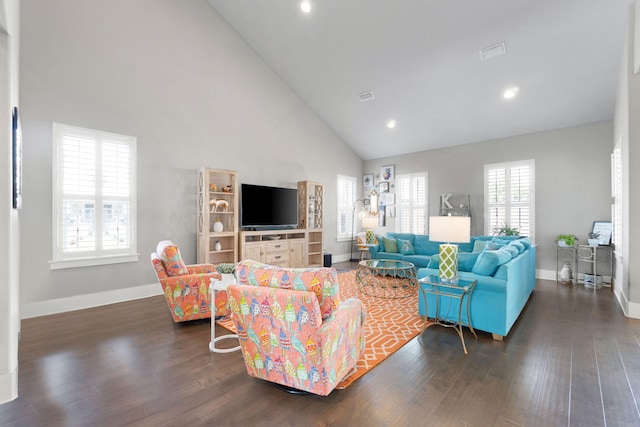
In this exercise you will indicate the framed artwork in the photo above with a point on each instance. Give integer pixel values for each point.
(16, 159)
(382, 216)
(388, 173)
(603, 228)
(367, 180)
(384, 187)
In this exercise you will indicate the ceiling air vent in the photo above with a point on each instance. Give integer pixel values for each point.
(493, 51)
(366, 96)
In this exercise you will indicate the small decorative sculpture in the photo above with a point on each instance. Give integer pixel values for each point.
(213, 187)
(219, 203)
(227, 189)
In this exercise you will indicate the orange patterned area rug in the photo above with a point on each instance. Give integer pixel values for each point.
(390, 324)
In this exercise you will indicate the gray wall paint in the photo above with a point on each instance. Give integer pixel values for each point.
(573, 178)
(177, 77)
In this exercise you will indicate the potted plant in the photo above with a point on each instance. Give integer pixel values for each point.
(226, 270)
(566, 240)
(505, 230)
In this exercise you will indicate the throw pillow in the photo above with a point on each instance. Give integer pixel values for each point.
(172, 260)
(390, 245)
(517, 244)
(514, 251)
(434, 261)
(501, 241)
(466, 260)
(492, 246)
(488, 262)
(406, 248)
(424, 246)
(479, 245)
(380, 244)
(526, 242)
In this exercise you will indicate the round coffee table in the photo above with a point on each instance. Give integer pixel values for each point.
(386, 278)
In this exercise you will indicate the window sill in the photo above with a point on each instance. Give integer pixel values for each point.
(89, 262)
(345, 239)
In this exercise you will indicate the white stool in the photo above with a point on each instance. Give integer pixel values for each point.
(217, 285)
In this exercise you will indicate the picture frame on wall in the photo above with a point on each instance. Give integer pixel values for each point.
(16, 158)
(383, 187)
(388, 173)
(367, 181)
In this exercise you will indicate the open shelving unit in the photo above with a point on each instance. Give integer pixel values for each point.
(310, 217)
(217, 202)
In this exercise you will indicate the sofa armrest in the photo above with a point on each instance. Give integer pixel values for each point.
(373, 250)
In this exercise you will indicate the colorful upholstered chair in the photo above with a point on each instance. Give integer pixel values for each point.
(293, 328)
(186, 287)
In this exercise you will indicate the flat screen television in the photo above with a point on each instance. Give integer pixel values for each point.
(268, 207)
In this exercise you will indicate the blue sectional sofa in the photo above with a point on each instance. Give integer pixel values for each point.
(503, 266)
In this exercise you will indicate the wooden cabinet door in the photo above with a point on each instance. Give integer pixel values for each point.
(254, 251)
(296, 257)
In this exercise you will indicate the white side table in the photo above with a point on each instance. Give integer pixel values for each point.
(217, 285)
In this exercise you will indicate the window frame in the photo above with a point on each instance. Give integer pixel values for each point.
(530, 163)
(412, 205)
(346, 207)
(99, 255)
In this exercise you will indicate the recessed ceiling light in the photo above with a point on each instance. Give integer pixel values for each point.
(391, 124)
(305, 6)
(510, 93)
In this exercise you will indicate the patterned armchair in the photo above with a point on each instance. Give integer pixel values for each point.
(293, 328)
(186, 287)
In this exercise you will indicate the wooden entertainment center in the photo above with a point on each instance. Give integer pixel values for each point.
(218, 227)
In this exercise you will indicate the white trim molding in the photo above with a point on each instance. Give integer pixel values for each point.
(79, 302)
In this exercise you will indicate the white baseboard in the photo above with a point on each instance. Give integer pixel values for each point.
(546, 275)
(79, 302)
(8, 386)
(340, 258)
(630, 309)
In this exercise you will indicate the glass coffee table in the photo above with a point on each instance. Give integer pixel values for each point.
(455, 295)
(385, 278)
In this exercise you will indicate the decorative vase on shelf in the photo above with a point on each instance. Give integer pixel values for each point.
(217, 226)
(217, 246)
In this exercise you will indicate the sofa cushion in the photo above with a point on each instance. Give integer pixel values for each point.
(171, 258)
(526, 242)
(424, 246)
(489, 261)
(390, 245)
(397, 256)
(380, 243)
(405, 247)
(467, 247)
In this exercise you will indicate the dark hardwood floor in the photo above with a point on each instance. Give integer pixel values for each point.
(572, 359)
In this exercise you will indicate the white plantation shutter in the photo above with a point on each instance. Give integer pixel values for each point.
(411, 203)
(509, 197)
(346, 198)
(94, 197)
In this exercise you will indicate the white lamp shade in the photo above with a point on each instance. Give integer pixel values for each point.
(450, 229)
(369, 222)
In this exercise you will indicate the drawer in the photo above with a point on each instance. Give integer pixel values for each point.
(277, 257)
(276, 246)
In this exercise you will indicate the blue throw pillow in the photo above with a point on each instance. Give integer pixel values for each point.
(380, 243)
(501, 241)
(488, 262)
(406, 248)
(514, 251)
(517, 244)
(492, 246)
(424, 246)
(526, 242)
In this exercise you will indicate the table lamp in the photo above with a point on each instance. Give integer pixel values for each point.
(450, 229)
(369, 222)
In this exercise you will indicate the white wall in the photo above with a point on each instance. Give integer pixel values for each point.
(9, 226)
(177, 77)
(573, 179)
(627, 129)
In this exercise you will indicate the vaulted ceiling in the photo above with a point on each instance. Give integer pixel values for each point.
(421, 60)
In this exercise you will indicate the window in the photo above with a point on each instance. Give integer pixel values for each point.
(412, 203)
(94, 197)
(509, 197)
(346, 200)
